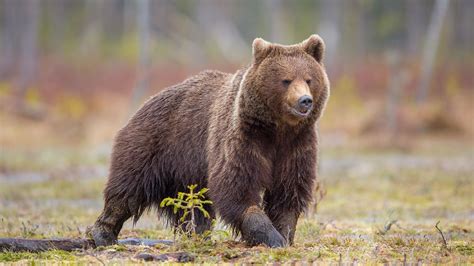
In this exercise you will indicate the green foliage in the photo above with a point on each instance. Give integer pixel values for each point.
(188, 203)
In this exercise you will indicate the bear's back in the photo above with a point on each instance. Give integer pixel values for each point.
(167, 136)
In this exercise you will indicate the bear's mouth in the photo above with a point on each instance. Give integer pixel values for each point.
(300, 113)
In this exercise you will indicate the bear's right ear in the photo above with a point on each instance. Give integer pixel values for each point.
(314, 46)
(260, 50)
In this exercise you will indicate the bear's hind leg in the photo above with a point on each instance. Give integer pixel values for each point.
(107, 227)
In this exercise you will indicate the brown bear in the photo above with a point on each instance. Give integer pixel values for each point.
(250, 137)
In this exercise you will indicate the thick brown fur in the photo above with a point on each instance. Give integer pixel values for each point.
(235, 134)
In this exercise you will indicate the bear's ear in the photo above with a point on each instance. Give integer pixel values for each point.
(260, 49)
(314, 46)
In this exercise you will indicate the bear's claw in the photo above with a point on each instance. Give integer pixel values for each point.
(275, 239)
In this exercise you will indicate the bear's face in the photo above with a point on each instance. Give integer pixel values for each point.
(290, 79)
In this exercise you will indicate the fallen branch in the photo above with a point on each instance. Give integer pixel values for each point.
(67, 244)
(38, 245)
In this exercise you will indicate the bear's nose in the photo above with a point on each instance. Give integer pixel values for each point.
(305, 103)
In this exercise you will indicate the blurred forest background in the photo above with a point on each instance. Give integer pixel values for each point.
(396, 67)
(397, 137)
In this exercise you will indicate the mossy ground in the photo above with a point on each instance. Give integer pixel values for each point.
(58, 194)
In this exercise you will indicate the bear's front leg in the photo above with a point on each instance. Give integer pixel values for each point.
(291, 191)
(257, 229)
(244, 215)
(284, 220)
(235, 183)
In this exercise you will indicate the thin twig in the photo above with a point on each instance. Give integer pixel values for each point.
(400, 227)
(445, 243)
(95, 256)
(333, 225)
(387, 227)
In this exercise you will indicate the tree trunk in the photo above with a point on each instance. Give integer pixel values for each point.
(29, 47)
(8, 37)
(431, 45)
(143, 22)
(56, 18)
(330, 30)
(397, 81)
(275, 21)
(415, 22)
(93, 27)
(463, 21)
(214, 18)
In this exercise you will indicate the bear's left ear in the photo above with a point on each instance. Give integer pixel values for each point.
(260, 50)
(314, 46)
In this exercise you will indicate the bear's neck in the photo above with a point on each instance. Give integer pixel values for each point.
(252, 117)
(249, 115)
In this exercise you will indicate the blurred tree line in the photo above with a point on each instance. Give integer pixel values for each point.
(352, 29)
(197, 33)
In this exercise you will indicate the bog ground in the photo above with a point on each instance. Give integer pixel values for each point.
(397, 135)
(379, 205)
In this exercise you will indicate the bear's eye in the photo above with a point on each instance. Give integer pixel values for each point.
(286, 82)
(308, 81)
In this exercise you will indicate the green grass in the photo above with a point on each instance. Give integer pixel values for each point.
(364, 191)
(54, 255)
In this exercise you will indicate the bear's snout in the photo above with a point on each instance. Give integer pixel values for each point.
(299, 99)
(305, 103)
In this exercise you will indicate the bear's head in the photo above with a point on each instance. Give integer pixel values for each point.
(289, 82)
